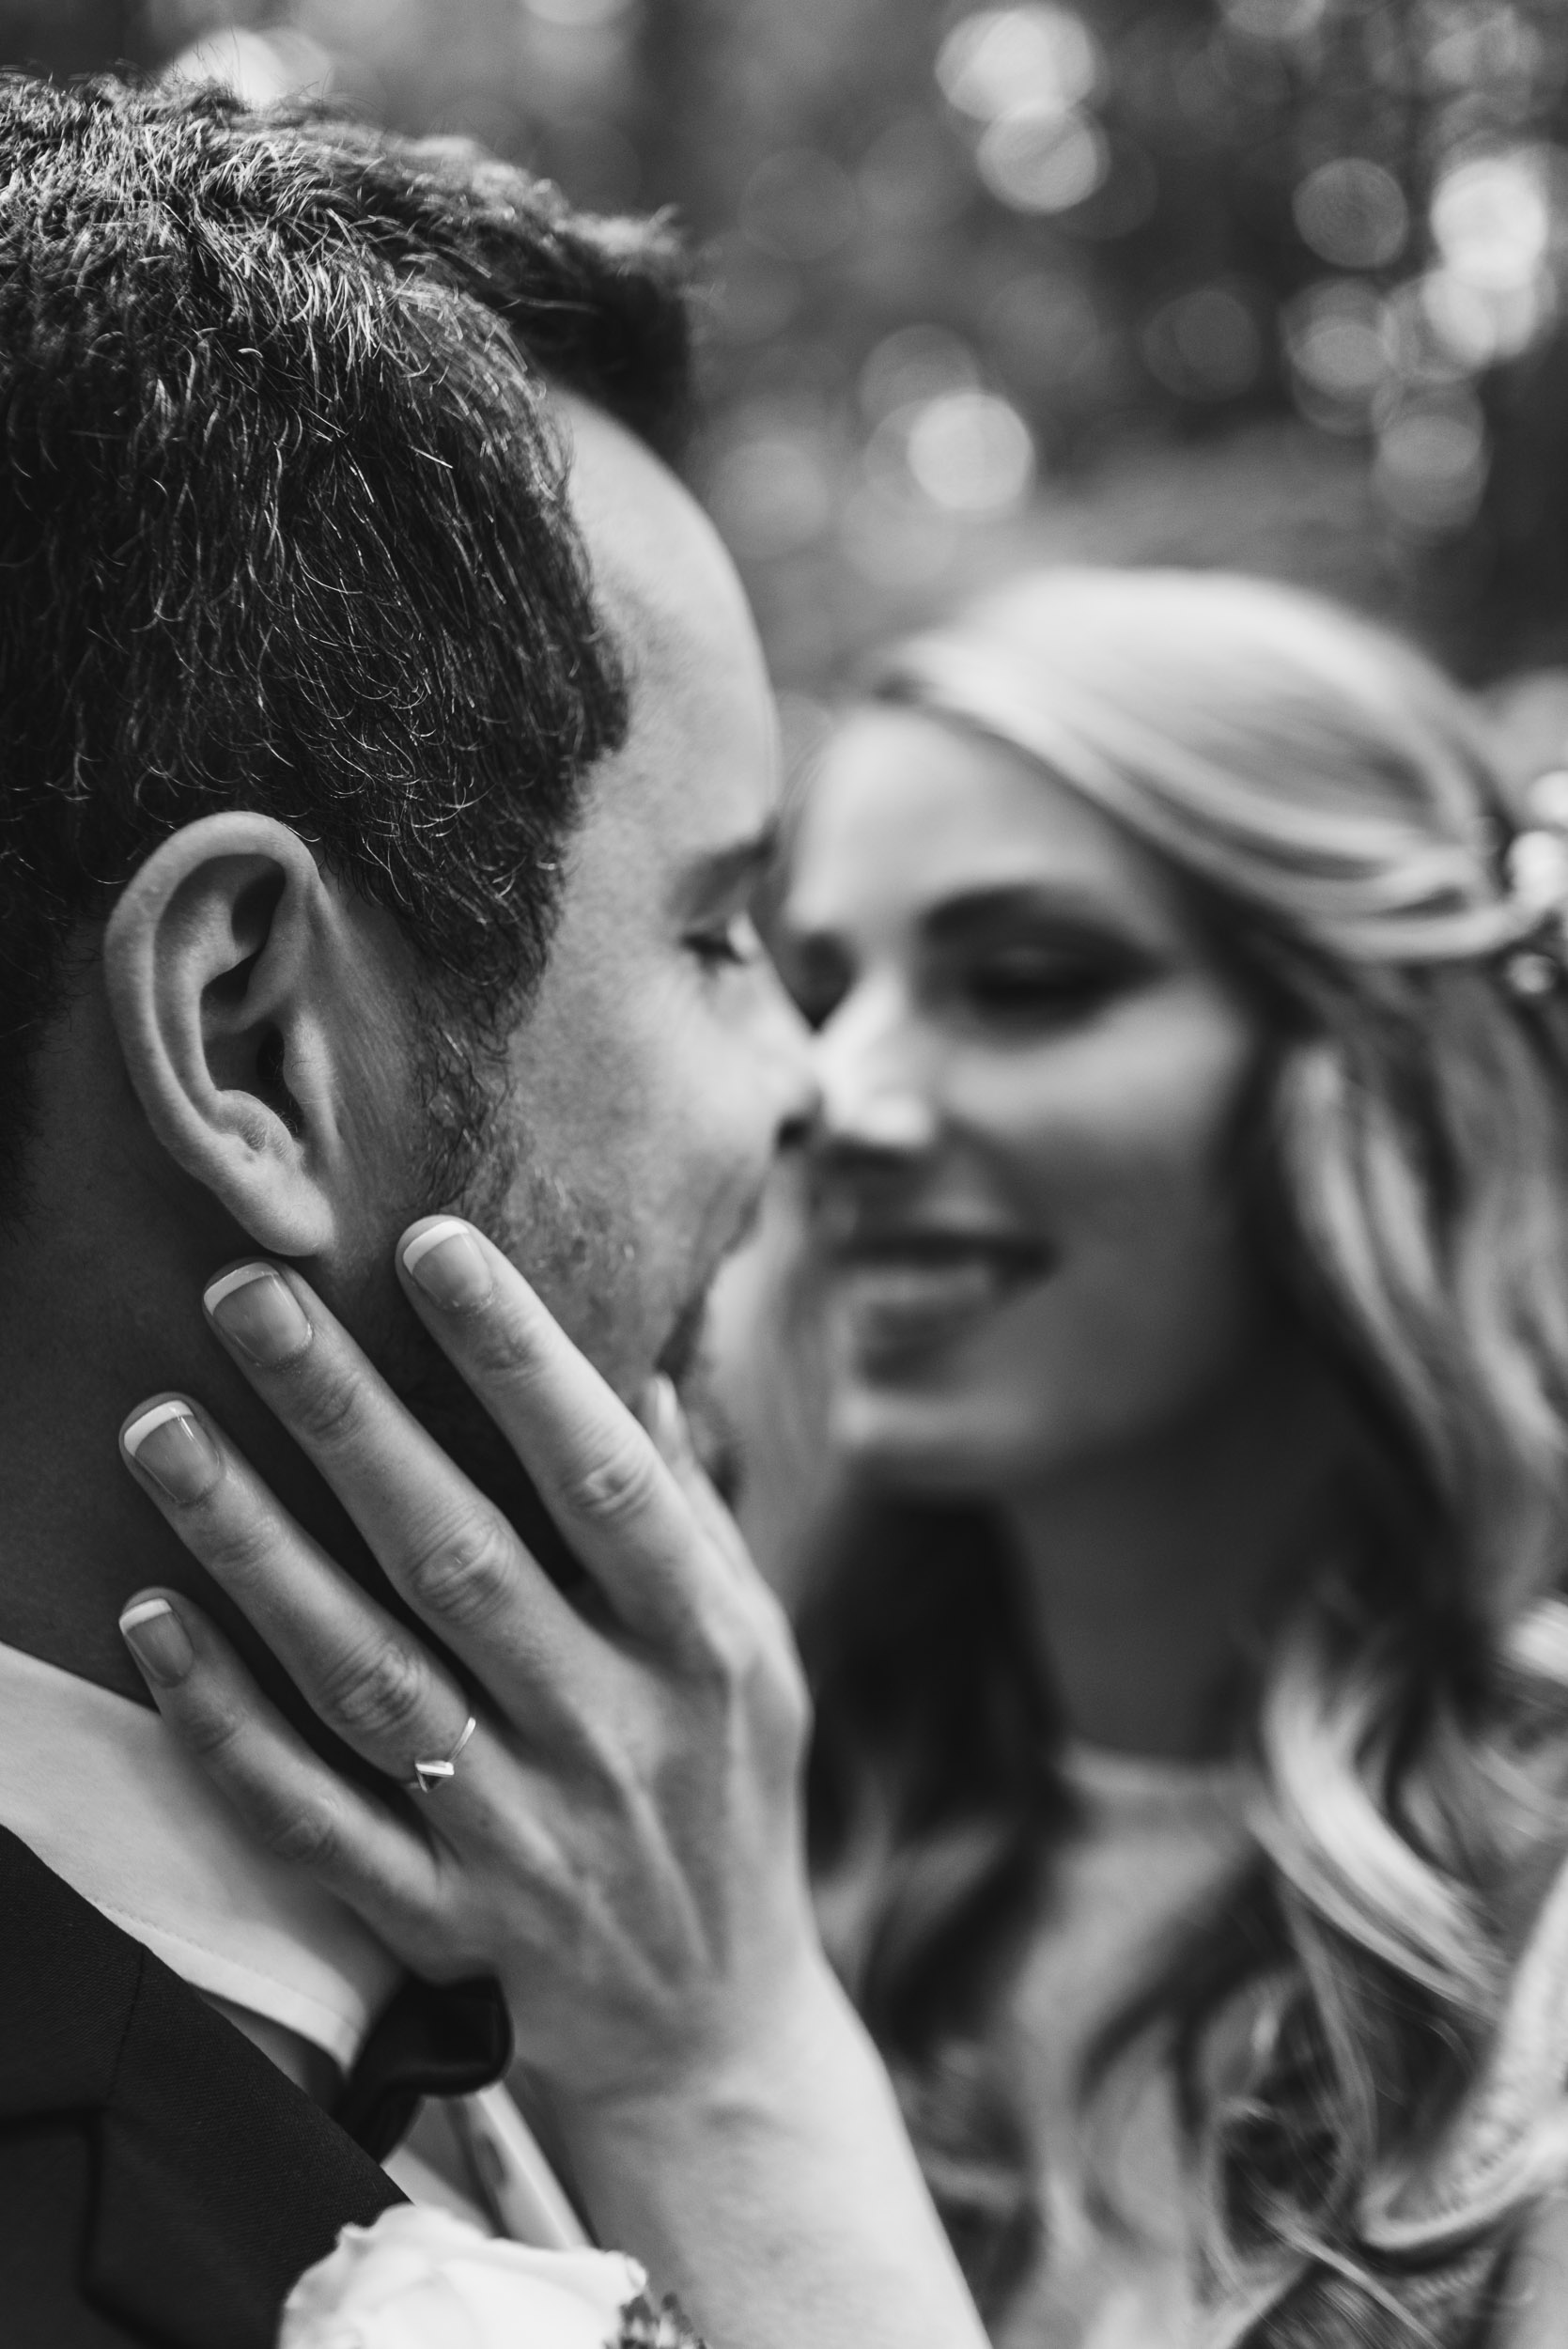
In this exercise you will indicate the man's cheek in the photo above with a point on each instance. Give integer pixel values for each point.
(623, 1301)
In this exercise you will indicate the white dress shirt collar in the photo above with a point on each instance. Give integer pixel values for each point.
(98, 1788)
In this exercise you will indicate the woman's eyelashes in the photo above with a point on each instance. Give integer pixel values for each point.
(1009, 990)
(1035, 984)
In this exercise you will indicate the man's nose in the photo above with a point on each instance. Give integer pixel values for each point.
(873, 1093)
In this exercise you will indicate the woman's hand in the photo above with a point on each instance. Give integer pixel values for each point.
(620, 1839)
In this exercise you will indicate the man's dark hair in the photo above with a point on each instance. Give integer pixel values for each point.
(283, 522)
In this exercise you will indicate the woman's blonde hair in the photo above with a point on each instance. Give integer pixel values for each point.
(1332, 803)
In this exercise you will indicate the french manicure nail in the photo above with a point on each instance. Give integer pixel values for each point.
(447, 1264)
(260, 1313)
(175, 1450)
(666, 1420)
(159, 1640)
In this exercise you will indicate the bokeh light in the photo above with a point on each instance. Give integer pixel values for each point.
(261, 68)
(1479, 41)
(972, 454)
(1492, 219)
(1038, 160)
(1353, 214)
(1003, 61)
(1482, 325)
(974, 261)
(1431, 462)
(1337, 342)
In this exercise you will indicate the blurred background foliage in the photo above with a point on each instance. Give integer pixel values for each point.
(1274, 282)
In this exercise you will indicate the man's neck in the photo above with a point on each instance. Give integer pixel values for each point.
(77, 1537)
(101, 1275)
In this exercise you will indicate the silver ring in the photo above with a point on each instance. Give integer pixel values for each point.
(428, 1776)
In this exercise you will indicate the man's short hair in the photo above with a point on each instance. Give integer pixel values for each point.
(283, 520)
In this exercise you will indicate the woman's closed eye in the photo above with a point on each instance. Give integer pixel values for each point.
(1036, 984)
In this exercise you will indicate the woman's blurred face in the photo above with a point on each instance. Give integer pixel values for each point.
(1031, 1074)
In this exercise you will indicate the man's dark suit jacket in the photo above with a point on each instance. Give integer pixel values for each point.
(161, 2183)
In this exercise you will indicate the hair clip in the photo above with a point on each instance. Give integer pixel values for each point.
(1535, 867)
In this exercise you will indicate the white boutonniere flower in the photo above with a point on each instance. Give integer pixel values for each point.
(421, 2279)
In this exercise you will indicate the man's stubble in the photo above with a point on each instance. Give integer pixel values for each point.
(478, 1164)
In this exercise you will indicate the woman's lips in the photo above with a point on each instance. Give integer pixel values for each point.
(905, 1296)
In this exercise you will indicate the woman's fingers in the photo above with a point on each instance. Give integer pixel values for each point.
(365, 1677)
(651, 1532)
(291, 1801)
(445, 1545)
(609, 1841)
(451, 1553)
(662, 1416)
(613, 1500)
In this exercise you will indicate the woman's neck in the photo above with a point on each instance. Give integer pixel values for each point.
(1151, 1567)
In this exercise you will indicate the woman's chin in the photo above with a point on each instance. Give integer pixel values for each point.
(946, 1445)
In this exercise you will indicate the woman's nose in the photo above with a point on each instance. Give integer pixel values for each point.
(873, 1092)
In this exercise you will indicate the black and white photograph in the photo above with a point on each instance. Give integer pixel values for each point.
(783, 1174)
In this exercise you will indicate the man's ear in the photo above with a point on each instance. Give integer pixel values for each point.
(227, 960)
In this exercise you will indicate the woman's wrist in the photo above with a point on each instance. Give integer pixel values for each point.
(774, 2191)
(752, 2067)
